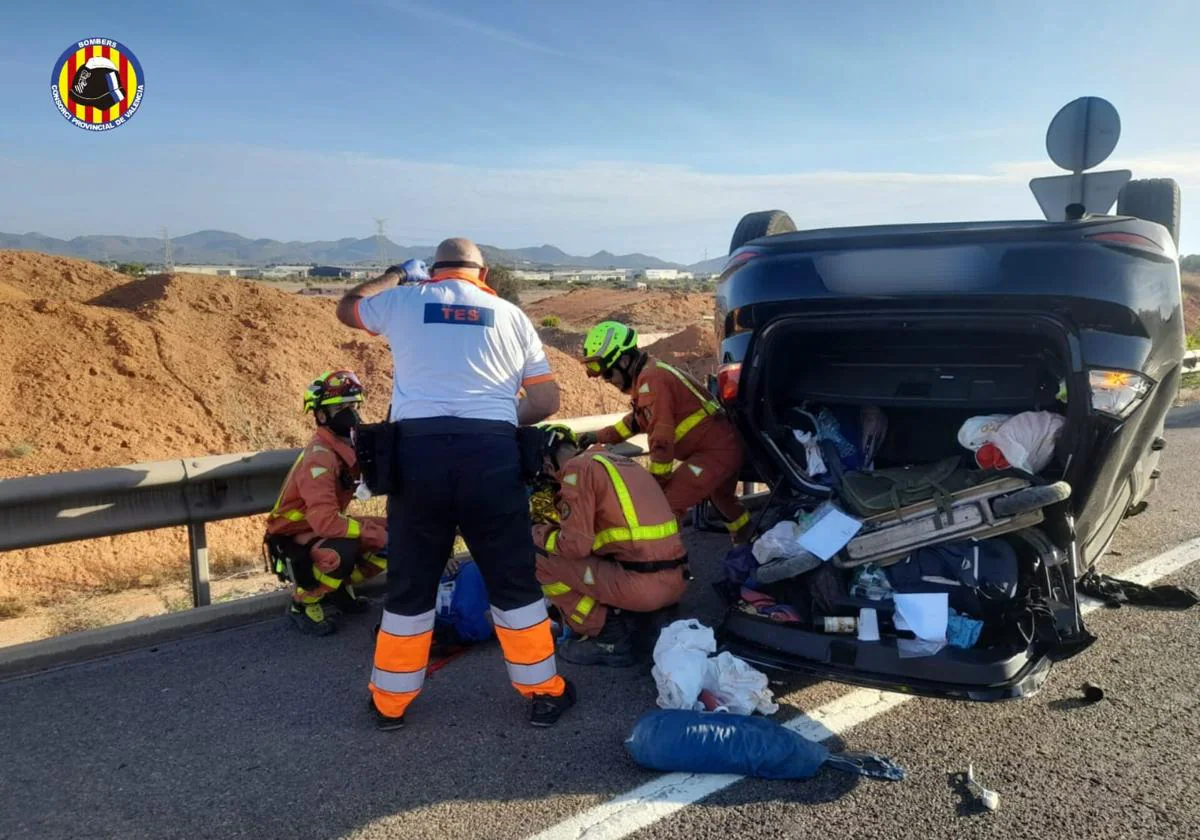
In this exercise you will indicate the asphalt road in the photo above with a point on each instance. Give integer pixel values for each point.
(259, 732)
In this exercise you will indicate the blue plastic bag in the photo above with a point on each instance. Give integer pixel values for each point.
(463, 603)
(676, 740)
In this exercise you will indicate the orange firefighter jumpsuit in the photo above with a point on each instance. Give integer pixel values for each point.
(311, 512)
(685, 424)
(617, 543)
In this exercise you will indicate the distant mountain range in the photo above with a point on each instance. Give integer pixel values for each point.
(218, 247)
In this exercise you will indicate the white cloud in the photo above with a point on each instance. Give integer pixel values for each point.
(671, 211)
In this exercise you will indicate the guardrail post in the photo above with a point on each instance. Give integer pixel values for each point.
(198, 552)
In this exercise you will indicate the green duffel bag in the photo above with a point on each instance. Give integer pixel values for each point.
(869, 494)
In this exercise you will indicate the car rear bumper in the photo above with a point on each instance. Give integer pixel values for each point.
(950, 674)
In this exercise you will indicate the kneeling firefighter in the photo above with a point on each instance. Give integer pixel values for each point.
(615, 552)
(682, 421)
(311, 542)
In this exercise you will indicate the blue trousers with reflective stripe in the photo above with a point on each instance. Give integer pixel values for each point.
(466, 482)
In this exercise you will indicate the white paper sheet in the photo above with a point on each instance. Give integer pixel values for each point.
(829, 534)
(925, 614)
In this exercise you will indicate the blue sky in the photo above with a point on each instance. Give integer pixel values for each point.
(646, 125)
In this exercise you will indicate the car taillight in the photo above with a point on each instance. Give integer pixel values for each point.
(738, 258)
(1117, 392)
(728, 378)
(1128, 240)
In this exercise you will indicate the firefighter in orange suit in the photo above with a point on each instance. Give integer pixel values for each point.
(682, 421)
(616, 549)
(310, 539)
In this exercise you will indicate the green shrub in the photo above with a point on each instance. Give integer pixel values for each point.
(550, 321)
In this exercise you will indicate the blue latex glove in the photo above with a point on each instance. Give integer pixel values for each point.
(412, 271)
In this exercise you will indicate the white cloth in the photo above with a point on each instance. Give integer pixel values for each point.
(457, 350)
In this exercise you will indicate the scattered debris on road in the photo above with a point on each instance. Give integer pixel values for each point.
(988, 798)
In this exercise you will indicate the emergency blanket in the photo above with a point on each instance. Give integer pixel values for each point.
(684, 666)
(696, 742)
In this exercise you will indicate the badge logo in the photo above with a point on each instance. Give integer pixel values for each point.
(97, 84)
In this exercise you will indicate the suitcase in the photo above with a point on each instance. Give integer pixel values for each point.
(889, 537)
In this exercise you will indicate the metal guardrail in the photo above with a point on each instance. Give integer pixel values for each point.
(64, 507)
(85, 504)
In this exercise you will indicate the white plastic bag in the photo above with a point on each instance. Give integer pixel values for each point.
(976, 432)
(684, 666)
(782, 540)
(680, 661)
(1027, 440)
(815, 463)
(738, 687)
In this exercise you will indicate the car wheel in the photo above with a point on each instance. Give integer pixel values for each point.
(1154, 200)
(762, 223)
(1031, 499)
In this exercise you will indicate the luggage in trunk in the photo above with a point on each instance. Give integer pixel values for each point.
(890, 536)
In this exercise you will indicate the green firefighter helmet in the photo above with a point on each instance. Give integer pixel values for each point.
(605, 343)
(336, 387)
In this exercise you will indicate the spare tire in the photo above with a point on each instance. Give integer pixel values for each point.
(1154, 200)
(1031, 499)
(762, 223)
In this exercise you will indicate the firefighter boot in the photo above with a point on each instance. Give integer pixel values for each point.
(546, 709)
(348, 601)
(311, 618)
(612, 646)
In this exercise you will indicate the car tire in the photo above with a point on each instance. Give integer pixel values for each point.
(1031, 499)
(1153, 200)
(762, 223)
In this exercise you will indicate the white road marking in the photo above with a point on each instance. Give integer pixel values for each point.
(663, 796)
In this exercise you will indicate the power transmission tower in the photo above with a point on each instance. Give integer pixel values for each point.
(168, 263)
(380, 243)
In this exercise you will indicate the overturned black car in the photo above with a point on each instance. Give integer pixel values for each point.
(985, 400)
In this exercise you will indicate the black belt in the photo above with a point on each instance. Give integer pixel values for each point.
(425, 426)
(657, 566)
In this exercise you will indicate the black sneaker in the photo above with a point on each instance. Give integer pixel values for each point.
(382, 722)
(348, 601)
(546, 709)
(613, 646)
(311, 619)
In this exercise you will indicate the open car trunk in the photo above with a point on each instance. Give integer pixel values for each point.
(925, 376)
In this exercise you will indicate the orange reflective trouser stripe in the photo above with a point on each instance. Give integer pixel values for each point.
(401, 656)
(528, 646)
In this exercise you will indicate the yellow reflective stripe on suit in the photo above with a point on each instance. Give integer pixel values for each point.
(583, 609)
(624, 431)
(552, 541)
(658, 468)
(331, 582)
(708, 406)
(292, 469)
(634, 530)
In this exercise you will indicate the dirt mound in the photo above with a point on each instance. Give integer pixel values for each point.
(568, 341)
(41, 275)
(582, 396)
(691, 349)
(102, 370)
(584, 308)
(1191, 302)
